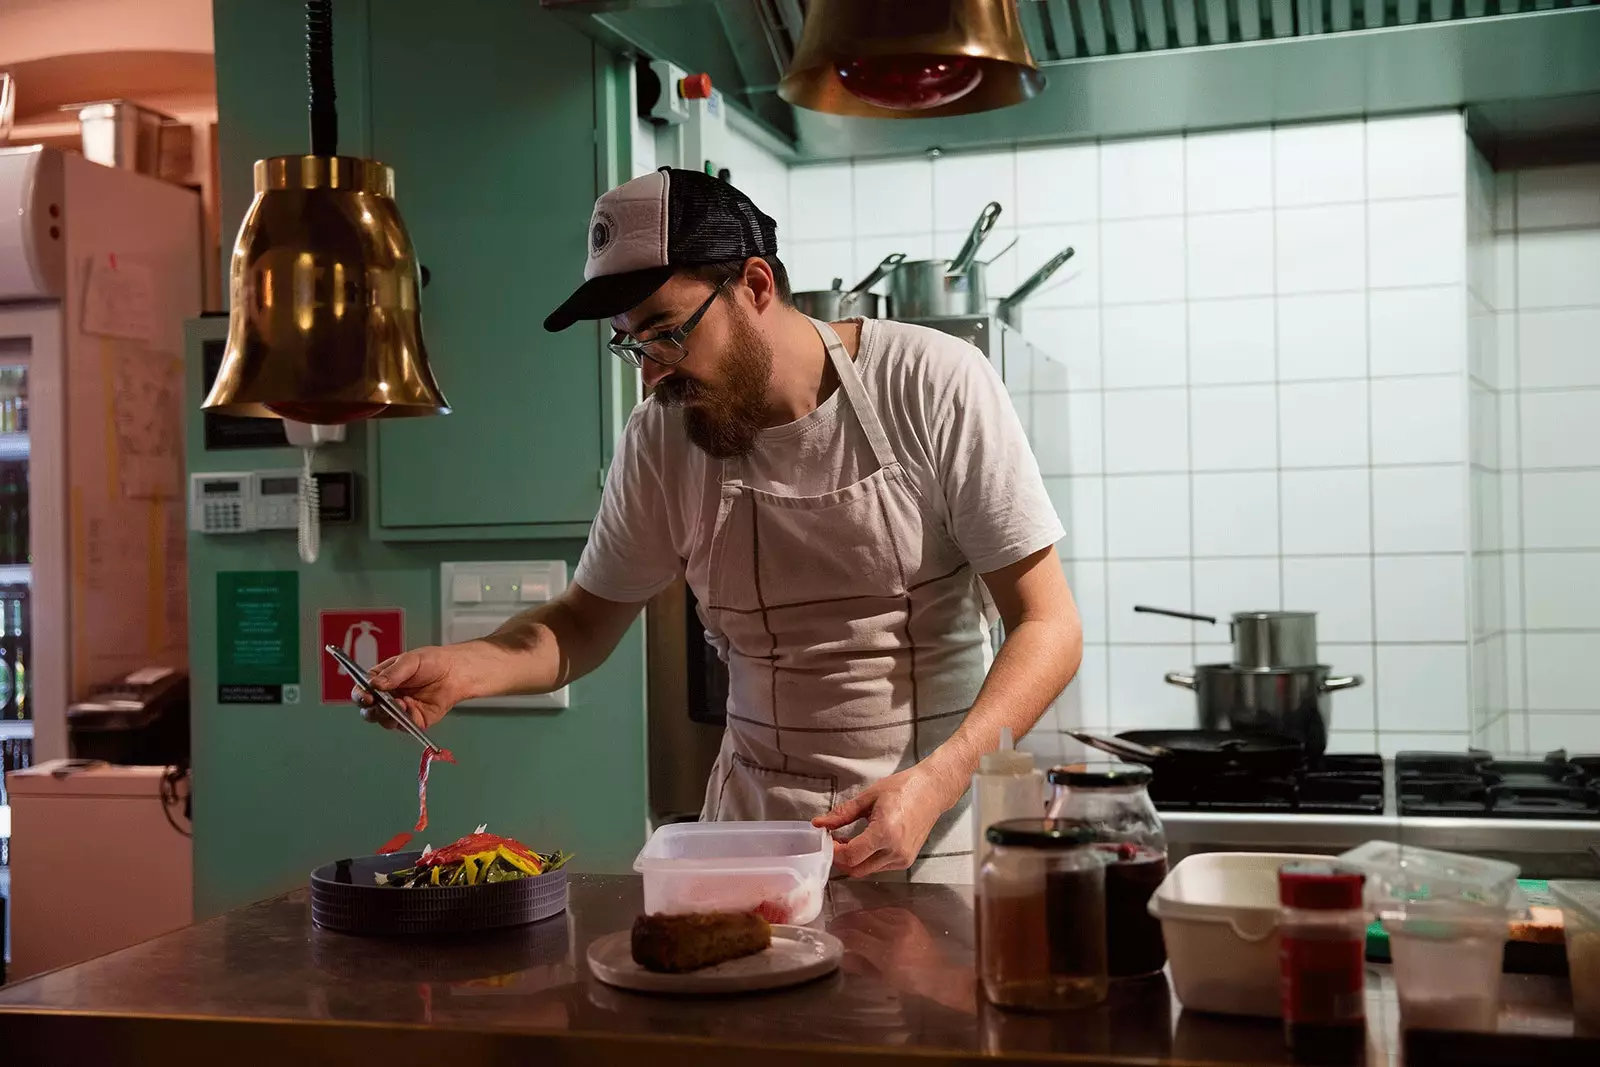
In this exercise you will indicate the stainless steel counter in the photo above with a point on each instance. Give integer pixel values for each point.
(262, 985)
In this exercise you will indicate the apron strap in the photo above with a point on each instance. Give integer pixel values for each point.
(856, 391)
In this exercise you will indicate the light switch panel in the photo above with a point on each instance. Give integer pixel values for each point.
(475, 598)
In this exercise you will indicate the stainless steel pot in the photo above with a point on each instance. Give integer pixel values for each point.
(1292, 701)
(937, 288)
(1262, 640)
(831, 305)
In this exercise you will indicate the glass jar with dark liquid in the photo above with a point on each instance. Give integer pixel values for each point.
(1112, 800)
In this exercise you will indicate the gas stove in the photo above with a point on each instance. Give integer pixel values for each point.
(1476, 785)
(1330, 785)
(1542, 814)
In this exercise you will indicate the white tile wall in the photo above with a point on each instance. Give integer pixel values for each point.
(1556, 349)
(1257, 390)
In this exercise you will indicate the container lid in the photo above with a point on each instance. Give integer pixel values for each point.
(1055, 834)
(1101, 774)
(1320, 886)
(1419, 883)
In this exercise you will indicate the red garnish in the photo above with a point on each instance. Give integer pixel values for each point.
(774, 911)
(428, 756)
(395, 843)
(471, 845)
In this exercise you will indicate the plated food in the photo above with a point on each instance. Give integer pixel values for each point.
(678, 944)
(479, 858)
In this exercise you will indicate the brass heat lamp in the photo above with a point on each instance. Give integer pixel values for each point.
(325, 324)
(901, 59)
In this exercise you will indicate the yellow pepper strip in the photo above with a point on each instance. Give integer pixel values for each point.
(521, 864)
(435, 876)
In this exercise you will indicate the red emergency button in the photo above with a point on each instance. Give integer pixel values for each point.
(695, 87)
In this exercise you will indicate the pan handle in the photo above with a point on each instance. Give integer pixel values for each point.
(880, 272)
(1333, 685)
(1036, 279)
(1117, 747)
(980, 229)
(1212, 619)
(1182, 681)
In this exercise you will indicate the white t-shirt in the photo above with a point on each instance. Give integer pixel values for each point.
(948, 418)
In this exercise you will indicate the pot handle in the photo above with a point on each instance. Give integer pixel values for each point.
(1182, 681)
(1145, 609)
(880, 272)
(1333, 685)
(1036, 279)
(980, 229)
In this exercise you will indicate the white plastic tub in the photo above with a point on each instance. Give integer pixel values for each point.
(1219, 916)
(779, 869)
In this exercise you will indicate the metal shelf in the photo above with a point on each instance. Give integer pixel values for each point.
(14, 445)
(10, 729)
(16, 574)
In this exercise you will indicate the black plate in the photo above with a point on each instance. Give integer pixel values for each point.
(345, 896)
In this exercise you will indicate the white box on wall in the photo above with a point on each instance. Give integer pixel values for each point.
(475, 598)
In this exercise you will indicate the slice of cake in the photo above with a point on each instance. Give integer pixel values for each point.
(675, 944)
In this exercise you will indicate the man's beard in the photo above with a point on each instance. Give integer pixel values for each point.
(726, 419)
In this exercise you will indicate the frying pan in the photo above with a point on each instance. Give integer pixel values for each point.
(1199, 752)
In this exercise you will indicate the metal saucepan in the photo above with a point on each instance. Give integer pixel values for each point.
(1263, 640)
(1010, 307)
(1199, 752)
(937, 288)
(831, 305)
(1289, 701)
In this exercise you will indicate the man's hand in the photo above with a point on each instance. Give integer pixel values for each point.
(900, 811)
(426, 682)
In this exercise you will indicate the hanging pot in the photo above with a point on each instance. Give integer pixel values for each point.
(831, 305)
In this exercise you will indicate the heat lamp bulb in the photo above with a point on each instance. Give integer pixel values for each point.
(911, 82)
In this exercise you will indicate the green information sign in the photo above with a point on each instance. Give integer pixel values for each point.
(258, 633)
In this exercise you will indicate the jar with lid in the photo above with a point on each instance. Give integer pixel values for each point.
(1323, 932)
(1112, 800)
(1041, 916)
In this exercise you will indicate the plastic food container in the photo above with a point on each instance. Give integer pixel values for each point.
(779, 869)
(1447, 917)
(1219, 917)
(1580, 916)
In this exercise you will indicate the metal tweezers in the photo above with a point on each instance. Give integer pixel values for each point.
(379, 697)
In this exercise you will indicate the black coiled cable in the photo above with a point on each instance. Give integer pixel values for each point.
(319, 74)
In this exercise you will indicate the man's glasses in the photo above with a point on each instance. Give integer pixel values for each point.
(665, 348)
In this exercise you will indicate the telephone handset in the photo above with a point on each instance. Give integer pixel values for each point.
(306, 437)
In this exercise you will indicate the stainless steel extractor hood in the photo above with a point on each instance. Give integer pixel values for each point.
(1123, 68)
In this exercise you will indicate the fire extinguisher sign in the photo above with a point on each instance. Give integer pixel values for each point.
(367, 635)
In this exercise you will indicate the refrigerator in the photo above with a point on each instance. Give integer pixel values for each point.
(99, 268)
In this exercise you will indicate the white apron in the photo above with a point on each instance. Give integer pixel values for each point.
(853, 629)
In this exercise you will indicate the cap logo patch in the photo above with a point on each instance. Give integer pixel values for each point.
(601, 232)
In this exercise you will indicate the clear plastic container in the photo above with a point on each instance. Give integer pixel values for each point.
(1219, 917)
(1447, 916)
(778, 869)
(1580, 917)
(1042, 917)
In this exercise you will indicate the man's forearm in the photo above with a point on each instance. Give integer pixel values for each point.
(538, 651)
(1037, 660)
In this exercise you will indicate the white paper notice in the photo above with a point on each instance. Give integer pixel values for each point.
(148, 426)
(119, 300)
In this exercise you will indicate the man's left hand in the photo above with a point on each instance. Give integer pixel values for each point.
(900, 811)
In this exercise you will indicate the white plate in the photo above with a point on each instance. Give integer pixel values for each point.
(797, 954)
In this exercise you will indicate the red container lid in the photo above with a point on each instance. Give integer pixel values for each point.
(695, 87)
(1315, 885)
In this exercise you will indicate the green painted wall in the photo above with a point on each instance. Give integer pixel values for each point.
(281, 789)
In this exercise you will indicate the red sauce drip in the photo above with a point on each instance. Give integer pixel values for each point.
(428, 756)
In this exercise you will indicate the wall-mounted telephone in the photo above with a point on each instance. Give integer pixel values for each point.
(227, 502)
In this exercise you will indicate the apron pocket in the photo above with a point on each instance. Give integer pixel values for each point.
(751, 791)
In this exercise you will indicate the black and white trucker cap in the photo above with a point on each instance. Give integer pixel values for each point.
(643, 230)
